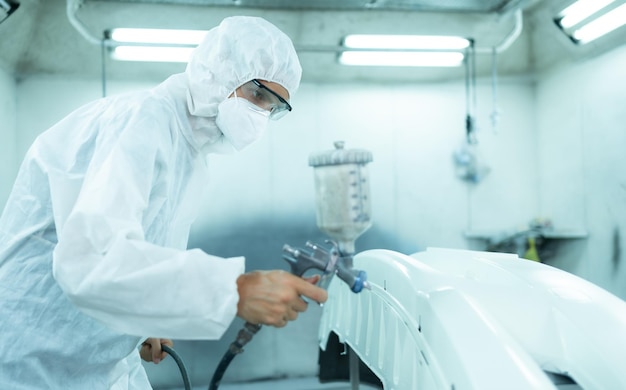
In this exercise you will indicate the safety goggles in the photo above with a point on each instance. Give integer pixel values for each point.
(265, 98)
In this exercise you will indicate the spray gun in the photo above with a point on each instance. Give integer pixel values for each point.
(343, 210)
(300, 260)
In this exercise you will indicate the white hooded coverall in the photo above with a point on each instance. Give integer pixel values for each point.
(93, 238)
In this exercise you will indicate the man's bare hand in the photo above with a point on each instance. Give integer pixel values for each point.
(151, 350)
(275, 297)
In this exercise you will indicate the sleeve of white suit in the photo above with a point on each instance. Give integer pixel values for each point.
(107, 268)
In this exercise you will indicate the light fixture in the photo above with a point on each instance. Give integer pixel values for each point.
(401, 58)
(402, 50)
(153, 45)
(415, 42)
(161, 36)
(7, 7)
(586, 20)
(151, 53)
(581, 10)
(602, 25)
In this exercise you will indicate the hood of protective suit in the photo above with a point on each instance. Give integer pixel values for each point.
(240, 49)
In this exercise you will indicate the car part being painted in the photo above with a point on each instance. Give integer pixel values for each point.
(457, 319)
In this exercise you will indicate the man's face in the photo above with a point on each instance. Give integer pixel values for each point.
(267, 96)
(277, 88)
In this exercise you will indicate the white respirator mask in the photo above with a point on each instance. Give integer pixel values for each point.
(241, 122)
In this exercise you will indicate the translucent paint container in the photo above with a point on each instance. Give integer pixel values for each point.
(342, 194)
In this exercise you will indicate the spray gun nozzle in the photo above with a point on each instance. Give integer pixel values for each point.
(355, 279)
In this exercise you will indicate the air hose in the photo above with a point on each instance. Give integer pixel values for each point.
(181, 365)
(236, 347)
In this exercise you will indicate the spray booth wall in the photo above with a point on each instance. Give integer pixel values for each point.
(581, 116)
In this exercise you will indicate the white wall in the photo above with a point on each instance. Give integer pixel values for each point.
(8, 157)
(581, 111)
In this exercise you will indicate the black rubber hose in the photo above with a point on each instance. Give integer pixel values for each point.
(181, 365)
(221, 369)
(236, 347)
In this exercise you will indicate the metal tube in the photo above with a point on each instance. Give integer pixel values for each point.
(509, 39)
(355, 380)
(72, 8)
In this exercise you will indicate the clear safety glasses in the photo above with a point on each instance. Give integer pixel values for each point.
(265, 98)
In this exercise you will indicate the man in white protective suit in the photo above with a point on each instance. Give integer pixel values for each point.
(93, 258)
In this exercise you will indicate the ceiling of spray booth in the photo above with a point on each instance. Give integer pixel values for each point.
(39, 38)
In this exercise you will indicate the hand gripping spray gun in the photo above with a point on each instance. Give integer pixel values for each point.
(343, 211)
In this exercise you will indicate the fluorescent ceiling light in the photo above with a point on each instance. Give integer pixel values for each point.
(400, 58)
(152, 53)
(403, 50)
(158, 36)
(602, 25)
(154, 45)
(581, 10)
(411, 42)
